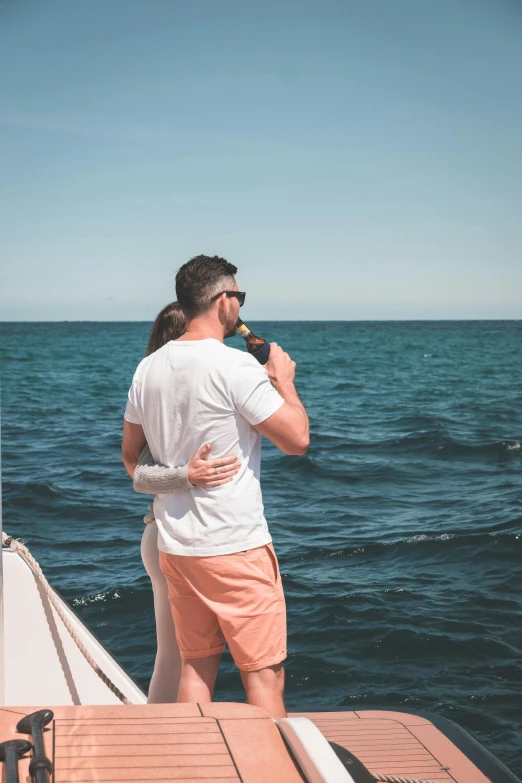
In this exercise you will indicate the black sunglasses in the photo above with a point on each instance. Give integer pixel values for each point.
(240, 296)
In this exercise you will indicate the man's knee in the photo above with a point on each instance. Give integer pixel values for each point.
(200, 668)
(269, 678)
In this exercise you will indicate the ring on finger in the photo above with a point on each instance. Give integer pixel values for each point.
(218, 469)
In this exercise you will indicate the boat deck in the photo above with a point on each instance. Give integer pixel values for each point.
(397, 743)
(221, 743)
(227, 743)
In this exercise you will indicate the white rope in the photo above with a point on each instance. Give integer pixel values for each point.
(400, 779)
(20, 549)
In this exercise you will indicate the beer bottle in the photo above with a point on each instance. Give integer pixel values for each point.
(255, 345)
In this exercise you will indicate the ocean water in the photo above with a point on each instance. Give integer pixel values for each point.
(398, 534)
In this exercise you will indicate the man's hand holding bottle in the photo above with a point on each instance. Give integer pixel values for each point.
(288, 428)
(281, 369)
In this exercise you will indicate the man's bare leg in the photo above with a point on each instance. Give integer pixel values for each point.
(265, 688)
(198, 677)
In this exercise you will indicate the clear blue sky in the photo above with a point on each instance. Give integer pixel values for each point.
(354, 158)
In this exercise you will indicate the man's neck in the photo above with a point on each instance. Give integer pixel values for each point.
(202, 329)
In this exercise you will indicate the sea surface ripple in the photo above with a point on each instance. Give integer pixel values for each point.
(399, 533)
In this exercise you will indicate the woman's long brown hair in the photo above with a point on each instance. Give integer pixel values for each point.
(169, 325)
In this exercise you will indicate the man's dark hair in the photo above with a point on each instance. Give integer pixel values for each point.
(199, 279)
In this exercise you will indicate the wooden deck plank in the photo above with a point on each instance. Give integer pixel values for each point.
(365, 744)
(115, 711)
(100, 751)
(418, 755)
(366, 728)
(401, 717)
(234, 779)
(85, 712)
(313, 716)
(231, 710)
(158, 773)
(79, 730)
(401, 767)
(144, 721)
(259, 751)
(113, 740)
(148, 761)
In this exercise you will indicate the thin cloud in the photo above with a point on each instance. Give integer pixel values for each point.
(82, 126)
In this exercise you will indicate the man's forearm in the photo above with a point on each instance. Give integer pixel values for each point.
(289, 394)
(288, 428)
(291, 397)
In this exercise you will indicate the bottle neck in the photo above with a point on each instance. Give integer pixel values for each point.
(243, 329)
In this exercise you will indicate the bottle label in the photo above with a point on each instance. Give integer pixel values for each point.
(243, 330)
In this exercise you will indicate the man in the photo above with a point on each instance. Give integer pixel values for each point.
(215, 548)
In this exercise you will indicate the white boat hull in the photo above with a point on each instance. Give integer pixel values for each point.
(42, 663)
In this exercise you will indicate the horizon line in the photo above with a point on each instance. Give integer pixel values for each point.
(273, 320)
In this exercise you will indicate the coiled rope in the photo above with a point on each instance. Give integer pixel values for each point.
(400, 779)
(21, 549)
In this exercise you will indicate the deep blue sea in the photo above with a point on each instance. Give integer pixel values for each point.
(398, 534)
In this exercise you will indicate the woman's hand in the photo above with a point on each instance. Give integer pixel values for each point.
(205, 473)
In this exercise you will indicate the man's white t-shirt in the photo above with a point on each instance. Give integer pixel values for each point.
(193, 392)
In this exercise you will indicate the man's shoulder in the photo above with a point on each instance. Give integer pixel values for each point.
(222, 353)
(238, 359)
(148, 360)
(235, 354)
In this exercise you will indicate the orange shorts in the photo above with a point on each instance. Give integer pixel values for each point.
(234, 598)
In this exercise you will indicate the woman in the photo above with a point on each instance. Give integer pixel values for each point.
(151, 478)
